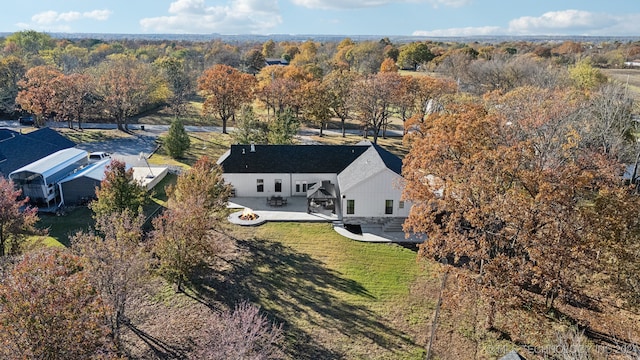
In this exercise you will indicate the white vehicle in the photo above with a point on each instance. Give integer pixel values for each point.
(98, 155)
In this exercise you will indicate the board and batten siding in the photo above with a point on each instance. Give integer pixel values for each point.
(245, 184)
(370, 196)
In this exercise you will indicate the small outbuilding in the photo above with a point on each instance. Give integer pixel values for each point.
(80, 187)
(38, 180)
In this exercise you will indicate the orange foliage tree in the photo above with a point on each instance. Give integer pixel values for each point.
(17, 219)
(225, 90)
(48, 310)
(37, 92)
(506, 191)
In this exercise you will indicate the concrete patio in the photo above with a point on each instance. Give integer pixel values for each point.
(296, 211)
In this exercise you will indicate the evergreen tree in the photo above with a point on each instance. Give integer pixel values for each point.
(249, 129)
(283, 128)
(177, 140)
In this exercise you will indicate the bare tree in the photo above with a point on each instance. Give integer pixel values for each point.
(116, 262)
(242, 334)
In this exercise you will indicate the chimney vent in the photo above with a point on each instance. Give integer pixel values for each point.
(253, 148)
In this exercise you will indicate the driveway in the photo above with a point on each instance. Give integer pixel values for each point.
(129, 149)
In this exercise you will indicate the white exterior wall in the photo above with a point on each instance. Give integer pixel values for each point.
(246, 184)
(371, 193)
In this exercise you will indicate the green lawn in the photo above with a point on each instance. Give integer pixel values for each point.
(60, 227)
(338, 298)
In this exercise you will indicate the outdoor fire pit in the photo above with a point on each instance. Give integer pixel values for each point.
(248, 215)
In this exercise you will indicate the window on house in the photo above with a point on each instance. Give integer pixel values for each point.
(278, 185)
(301, 186)
(388, 207)
(401, 205)
(260, 185)
(351, 207)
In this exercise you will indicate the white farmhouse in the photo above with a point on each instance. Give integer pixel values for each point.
(358, 183)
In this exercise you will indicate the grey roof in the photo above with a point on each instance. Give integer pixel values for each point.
(392, 162)
(93, 171)
(18, 150)
(365, 167)
(290, 159)
(53, 163)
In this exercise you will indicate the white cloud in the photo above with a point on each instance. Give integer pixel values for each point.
(237, 17)
(358, 4)
(561, 22)
(53, 17)
(566, 22)
(466, 31)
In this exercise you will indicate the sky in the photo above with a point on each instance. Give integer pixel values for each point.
(327, 17)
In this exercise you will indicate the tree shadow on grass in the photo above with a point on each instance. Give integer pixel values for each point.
(305, 295)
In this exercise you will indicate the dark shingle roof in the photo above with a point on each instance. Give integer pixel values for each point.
(50, 136)
(291, 158)
(390, 160)
(18, 150)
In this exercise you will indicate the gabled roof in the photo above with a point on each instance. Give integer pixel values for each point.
(18, 150)
(54, 163)
(290, 159)
(370, 163)
(391, 161)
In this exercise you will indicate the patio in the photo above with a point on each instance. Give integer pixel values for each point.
(295, 209)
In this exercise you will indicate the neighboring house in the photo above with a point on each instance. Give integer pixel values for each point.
(18, 150)
(359, 183)
(79, 187)
(275, 61)
(38, 180)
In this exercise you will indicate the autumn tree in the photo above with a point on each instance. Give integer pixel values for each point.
(316, 102)
(339, 85)
(28, 43)
(49, 310)
(184, 236)
(269, 49)
(501, 190)
(181, 85)
(177, 140)
(115, 262)
(253, 61)
(72, 97)
(373, 98)
(12, 69)
(243, 333)
(225, 90)
(388, 65)
(124, 85)
(366, 57)
(36, 92)
(17, 219)
(413, 54)
(118, 191)
(586, 77)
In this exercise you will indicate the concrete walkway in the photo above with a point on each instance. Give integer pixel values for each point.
(296, 211)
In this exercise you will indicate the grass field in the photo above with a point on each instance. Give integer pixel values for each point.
(336, 297)
(629, 77)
